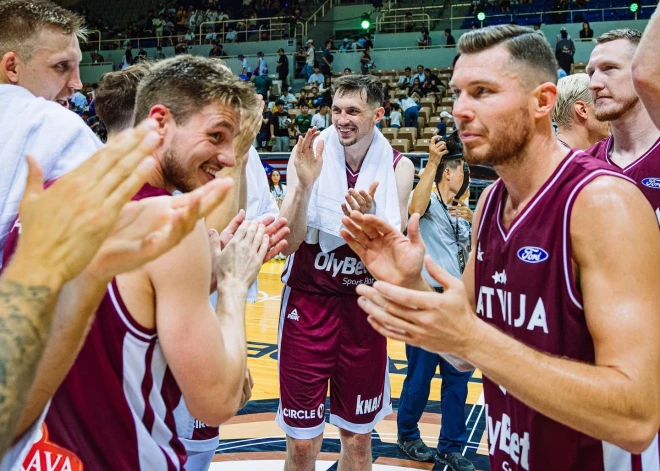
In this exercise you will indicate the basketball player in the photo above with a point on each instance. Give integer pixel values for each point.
(323, 334)
(634, 146)
(155, 330)
(546, 309)
(115, 97)
(39, 56)
(574, 113)
(93, 197)
(646, 67)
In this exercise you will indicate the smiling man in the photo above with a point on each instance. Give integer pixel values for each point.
(39, 56)
(634, 146)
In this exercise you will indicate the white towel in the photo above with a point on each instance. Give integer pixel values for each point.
(329, 191)
(55, 136)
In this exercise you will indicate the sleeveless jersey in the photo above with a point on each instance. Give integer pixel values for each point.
(525, 286)
(336, 272)
(114, 409)
(645, 171)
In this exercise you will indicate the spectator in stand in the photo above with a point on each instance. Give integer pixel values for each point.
(211, 35)
(537, 29)
(127, 61)
(416, 90)
(345, 46)
(408, 23)
(559, 36)
(368, 43)
(264, 132)
(410, 111)
(78, 103)
(327, 85)
(310, 60)
(262, 67)
(366, 64)
(586, 32)
(230, 37)
(327, 59)
(302, 122)
(405, 80)
(316, 77)
(263, 85)
(322, 120)
(441, 128)
(215, 50)
(276, 187)
(141, 55)
(347, 71)
(288, 98)
(159, 25)
(561, 73)
(565, 51)
(356, 45)
(181, 19)
(420, 74)
(425, 40)
(282, 67)
(96, 57)
(450, 39)
(190, 36)
(395, 116)
(246, 71)
(159, 54)
(279, 128)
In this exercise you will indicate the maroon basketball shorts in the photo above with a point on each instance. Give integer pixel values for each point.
(327, 338)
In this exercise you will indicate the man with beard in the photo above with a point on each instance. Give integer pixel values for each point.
(545, 309)
(155, 336)
(323, 333)
(574, 113)
(634, 146)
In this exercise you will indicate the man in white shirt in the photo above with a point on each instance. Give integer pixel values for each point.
(310, 60)
(419, 75)
(322, 119)
(246, 70)
(288, 98)
(405, 80)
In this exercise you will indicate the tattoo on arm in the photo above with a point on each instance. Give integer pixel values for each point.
(24, 322)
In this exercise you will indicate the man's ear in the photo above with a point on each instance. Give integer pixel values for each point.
(580, 109)
(10, 66)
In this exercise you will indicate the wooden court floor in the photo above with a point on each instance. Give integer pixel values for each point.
(253, 441)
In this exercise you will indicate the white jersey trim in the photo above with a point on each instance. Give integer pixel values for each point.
(484, 211)
(124, 318)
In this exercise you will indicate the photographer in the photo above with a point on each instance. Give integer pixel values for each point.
(445, 228)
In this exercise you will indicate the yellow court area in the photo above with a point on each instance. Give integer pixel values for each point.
(254, 437)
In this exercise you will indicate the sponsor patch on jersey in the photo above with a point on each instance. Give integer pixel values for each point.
(533, 254)
(652, 182)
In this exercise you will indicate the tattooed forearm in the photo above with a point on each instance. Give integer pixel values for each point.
(25, 315)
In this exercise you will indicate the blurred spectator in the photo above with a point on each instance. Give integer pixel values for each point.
(211, 35)
(288, 99)
(230, 37)
(347, 71)
(367, 43)
(395, 116)
(586, 32)
(441, 128)
(327, 59)
(425, 40)
(263, 85)
(561, 73)
(406, 79)
(345, 46)
(408, 23)
(246, 71)
(127, 60)
(317, 76)
(282, 67)
(565, 51)
(322, 119)
(537, 29)
(262, 67)
(96, 57)
(410, 111)
(159, 54)
(419, 74)
(264, 132)
(216, 50)
(159, 25)
(276, 187)
(559, 36)
(416, 90)
(190, 36)
(279, 128)
(327, 85)
(310, 59)
(141, 55)
(366, 64)
(78, 103)
(450, 39)
(302, 122)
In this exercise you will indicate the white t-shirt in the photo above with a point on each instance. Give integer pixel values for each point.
(395, 118)
(310, 56)
(321, 121)
(58, 138)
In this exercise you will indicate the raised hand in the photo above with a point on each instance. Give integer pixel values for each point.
(361, 201)
(437, 150)
(63, 227)
(387, 253)
(308, 163)
(461, 210)
(241, 259)
(250, 125)
(276, 230)
(148, 228)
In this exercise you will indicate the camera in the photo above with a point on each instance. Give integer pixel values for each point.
(454, 152)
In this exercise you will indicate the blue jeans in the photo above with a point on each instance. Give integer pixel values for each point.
(410, 116)
(307, 71)
(415, 395)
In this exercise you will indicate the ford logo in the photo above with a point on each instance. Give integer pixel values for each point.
(532, 255)
(652, 182)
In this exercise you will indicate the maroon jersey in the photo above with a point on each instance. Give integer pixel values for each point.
(336, 272)
(525, 286)
(114, 408)
(645, 171)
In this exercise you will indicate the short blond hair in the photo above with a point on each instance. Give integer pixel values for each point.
(570, 89)
(185, 84)
(631, 35)
(22, 20)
